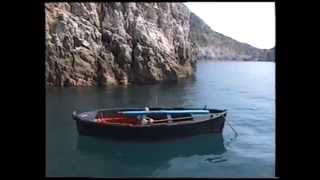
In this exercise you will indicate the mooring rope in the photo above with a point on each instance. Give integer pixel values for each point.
(232, 128)
(227, 143)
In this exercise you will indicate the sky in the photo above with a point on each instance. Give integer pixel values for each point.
(247, 22)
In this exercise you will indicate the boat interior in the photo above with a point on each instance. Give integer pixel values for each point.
(152, 116)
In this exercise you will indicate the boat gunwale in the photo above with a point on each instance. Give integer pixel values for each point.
(190, 108)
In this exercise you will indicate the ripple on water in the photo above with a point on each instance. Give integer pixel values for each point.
(244, 89)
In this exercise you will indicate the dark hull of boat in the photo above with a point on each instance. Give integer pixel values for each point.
(158, 132)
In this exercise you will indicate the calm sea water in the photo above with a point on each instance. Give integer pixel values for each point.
(246, 89)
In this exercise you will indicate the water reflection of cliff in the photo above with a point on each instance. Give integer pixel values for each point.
(171, 94)
(149, 156)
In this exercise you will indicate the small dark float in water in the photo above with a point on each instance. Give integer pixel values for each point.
(150, 123)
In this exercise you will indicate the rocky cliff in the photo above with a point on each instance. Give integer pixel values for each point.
(90, 44)
(216, 46)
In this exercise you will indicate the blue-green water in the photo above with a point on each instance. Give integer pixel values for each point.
(246, 89)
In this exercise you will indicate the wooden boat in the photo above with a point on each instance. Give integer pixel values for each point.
(150, 123)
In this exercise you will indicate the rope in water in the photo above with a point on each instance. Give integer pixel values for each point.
(232, 129)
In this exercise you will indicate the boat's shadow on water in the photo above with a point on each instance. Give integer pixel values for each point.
(150, 154)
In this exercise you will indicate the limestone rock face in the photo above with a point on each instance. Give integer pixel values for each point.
(215, 46)
(90, 44)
